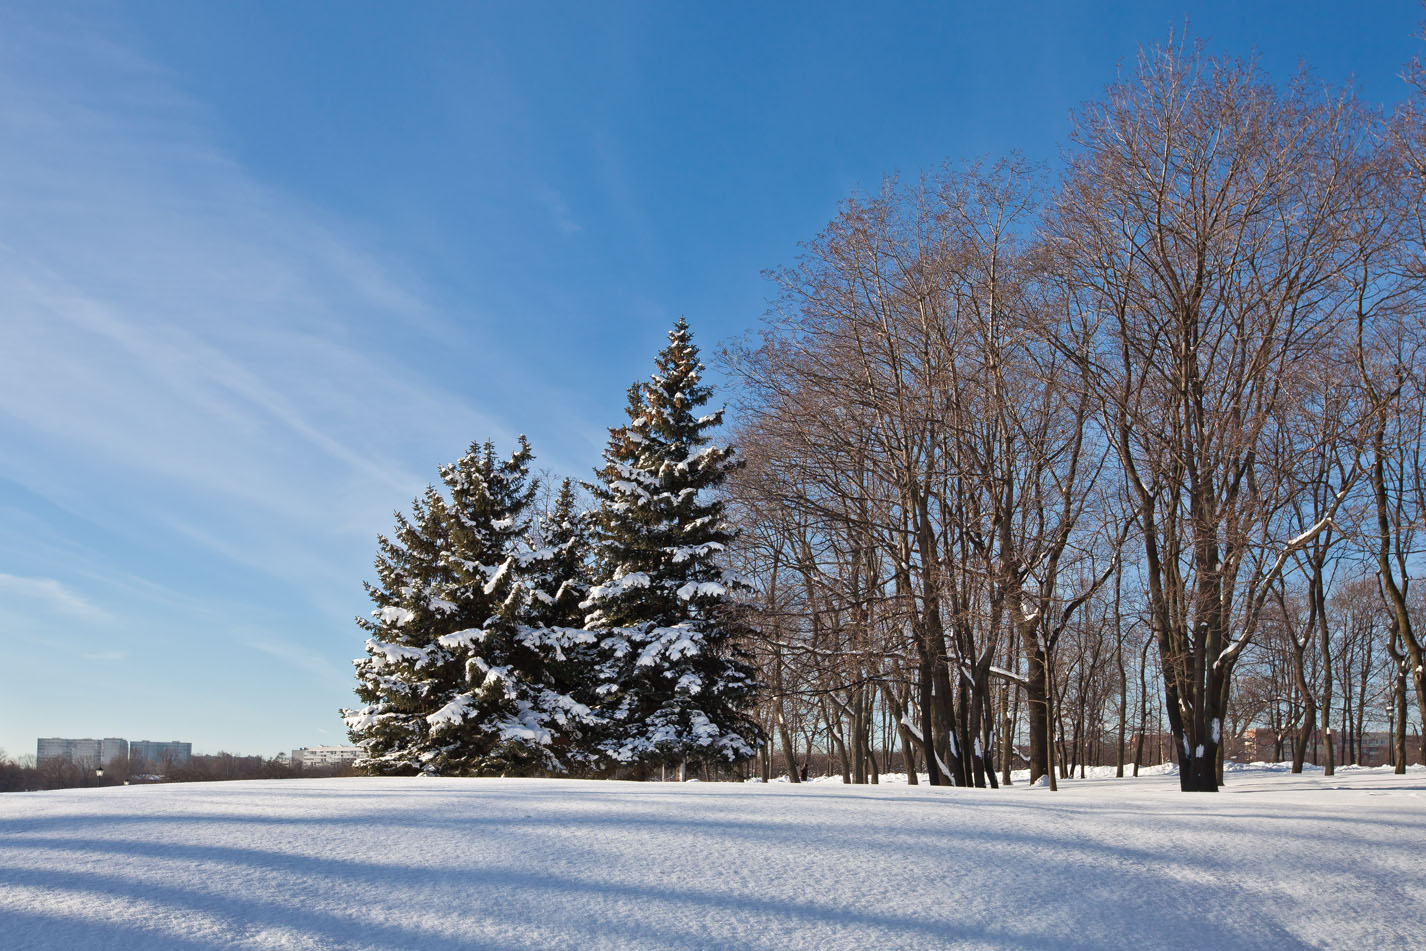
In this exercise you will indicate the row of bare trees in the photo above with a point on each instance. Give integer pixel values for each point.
(1323, 680)
(1051, 459)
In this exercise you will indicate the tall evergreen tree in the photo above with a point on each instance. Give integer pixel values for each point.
(673, 684)
(467, 668)
(510, 708)
(397, 679)
(556, 576)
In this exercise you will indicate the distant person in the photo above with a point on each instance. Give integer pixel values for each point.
(802, 775)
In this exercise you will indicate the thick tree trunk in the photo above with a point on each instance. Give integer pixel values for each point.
(1309, 714)
(858, 737)
(908, 756)
(986, 737)
(1201, 774)
(1009, 714)
(1123, 713)
(926, 739)
(1223, 688)
(789, 752)
(897, 704)
(977, 722)
(946, 742)
(1037, 704)
(1317, 590)
(1143, 705)
(1398, 732)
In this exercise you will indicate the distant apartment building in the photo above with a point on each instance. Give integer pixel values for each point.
(1263, 743)
(81, 752)
(309, 757)
(158, 752)
(88, 752)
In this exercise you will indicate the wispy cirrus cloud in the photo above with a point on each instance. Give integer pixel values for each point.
(213, 396)
(21, 593)
(185, 345)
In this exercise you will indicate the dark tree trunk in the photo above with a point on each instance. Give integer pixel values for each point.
(1037, 706)
(789, 751)
(928, 749)
(1398, 732)
(1309, 714)
(898, 706)
(944, 722)
(1143, 705)
(1123, 701)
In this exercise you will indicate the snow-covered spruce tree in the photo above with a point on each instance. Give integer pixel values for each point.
(555, 574)
(673, 682)
(396, 680)
(465, 672)
(510, 708)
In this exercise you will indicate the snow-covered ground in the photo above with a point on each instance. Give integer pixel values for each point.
(1275, 861)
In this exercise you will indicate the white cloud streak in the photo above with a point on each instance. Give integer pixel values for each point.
(212, 397)
(48, 594)
(186, 347)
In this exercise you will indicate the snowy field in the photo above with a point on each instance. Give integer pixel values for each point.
(1274, 862)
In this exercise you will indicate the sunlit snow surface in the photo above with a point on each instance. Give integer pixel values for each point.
(1275, 861)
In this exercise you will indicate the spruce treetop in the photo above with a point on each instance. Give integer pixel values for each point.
(658, 527)
(672, 683)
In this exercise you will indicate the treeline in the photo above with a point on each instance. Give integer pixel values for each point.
(1036, 465)
(22, 776)
(1034, 471)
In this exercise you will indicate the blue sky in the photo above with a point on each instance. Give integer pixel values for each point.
(265, 266)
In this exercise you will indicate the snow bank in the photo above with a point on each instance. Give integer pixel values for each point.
(1283, 862)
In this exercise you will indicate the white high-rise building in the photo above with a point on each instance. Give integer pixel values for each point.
(310, 756)
(160, 752)
(83, 752)
(90, 752)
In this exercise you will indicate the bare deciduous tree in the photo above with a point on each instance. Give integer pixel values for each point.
(1200, 226)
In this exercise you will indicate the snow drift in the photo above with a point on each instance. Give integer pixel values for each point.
(1273, 862)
